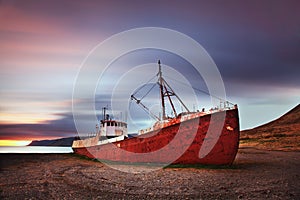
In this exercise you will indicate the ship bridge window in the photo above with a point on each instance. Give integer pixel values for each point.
(108, 123)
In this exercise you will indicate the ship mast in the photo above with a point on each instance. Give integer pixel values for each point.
(160, 80)
(165, 91)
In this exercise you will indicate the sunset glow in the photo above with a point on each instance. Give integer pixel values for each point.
(14, 142)
(23, 118)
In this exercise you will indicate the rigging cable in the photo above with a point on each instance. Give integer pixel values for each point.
(199, 90)
(144, 85)
(148, 91)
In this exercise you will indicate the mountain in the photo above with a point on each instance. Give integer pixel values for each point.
(63, 142)
(280, 134)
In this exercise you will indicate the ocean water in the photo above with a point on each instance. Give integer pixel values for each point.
(35, 149)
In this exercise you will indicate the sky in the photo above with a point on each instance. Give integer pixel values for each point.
(255, 45)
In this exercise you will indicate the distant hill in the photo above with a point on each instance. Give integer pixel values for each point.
(63, 142)
(280, 134)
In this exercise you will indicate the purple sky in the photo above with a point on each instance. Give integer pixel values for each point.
(255, 45)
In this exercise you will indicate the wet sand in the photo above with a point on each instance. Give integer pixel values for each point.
(256, 174)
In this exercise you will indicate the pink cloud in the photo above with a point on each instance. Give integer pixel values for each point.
(13, 19)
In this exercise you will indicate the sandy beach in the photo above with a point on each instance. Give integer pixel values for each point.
(255, 174)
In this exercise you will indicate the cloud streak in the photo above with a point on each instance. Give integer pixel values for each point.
(63, 127)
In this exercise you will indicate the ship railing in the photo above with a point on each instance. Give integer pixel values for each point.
(111, 140)
(184, 117)
(91, 141)
(143, 131)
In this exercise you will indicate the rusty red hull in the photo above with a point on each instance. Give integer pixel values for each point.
(190, 142)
